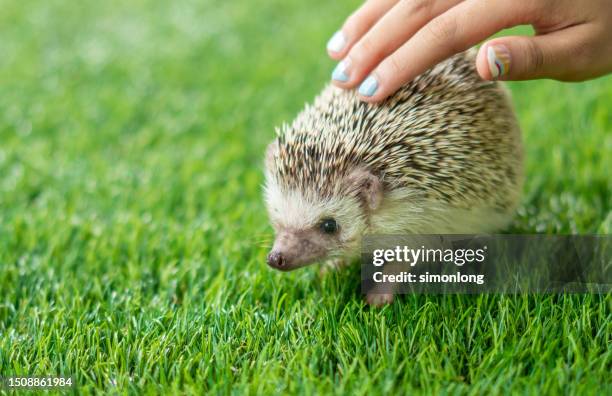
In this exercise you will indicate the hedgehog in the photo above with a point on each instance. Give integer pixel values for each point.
(443, 155)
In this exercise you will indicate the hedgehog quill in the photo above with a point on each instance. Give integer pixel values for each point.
(443, 155)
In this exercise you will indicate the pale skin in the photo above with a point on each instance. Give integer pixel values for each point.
(387, 43)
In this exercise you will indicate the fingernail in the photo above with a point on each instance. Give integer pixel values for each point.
(369, 86)
(498, 58)
(337, 42)
(339, 73)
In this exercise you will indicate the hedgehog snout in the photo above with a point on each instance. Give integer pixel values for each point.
(294, 249)
(276, 260)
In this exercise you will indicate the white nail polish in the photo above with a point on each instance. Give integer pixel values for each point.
(337, 42)
(369, 86)
(339, 73)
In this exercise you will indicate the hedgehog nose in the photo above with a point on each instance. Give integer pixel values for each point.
(276, 260)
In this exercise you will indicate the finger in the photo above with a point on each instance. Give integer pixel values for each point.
(356, 26)
(559, 55)
(454, 31)
(387, 35)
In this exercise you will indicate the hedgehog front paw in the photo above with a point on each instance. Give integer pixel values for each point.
(379, 299)
(332, 265)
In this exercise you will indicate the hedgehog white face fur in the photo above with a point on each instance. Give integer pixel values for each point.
(442, 155)
(310, 227)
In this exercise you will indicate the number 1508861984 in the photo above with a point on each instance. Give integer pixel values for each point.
(36, 382)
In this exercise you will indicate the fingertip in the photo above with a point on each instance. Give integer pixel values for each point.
(337, 45)
(344, 85)
(339, 84)
(494, 60)
(370, 100)
(341, 75)
(370, 91)
(376, 98)
(338, 55)
(334, 55)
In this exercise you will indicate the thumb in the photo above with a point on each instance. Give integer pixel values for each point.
(525, 58)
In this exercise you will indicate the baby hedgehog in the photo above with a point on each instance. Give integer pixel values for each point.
(441, 156)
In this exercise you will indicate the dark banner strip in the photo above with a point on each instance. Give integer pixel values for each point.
(472, 264)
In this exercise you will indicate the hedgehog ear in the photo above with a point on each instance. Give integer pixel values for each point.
(271, 152)
(367, 186)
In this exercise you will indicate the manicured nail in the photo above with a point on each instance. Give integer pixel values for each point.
(337, 42)
(498, 57)
(339, 73)
(369, 86)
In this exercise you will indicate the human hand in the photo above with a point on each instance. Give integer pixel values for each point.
(392, 41)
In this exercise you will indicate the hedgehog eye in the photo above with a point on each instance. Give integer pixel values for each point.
(328, 226)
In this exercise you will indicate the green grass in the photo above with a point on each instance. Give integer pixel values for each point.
(133, 233)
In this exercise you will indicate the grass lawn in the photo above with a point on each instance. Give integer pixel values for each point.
(133, 233)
